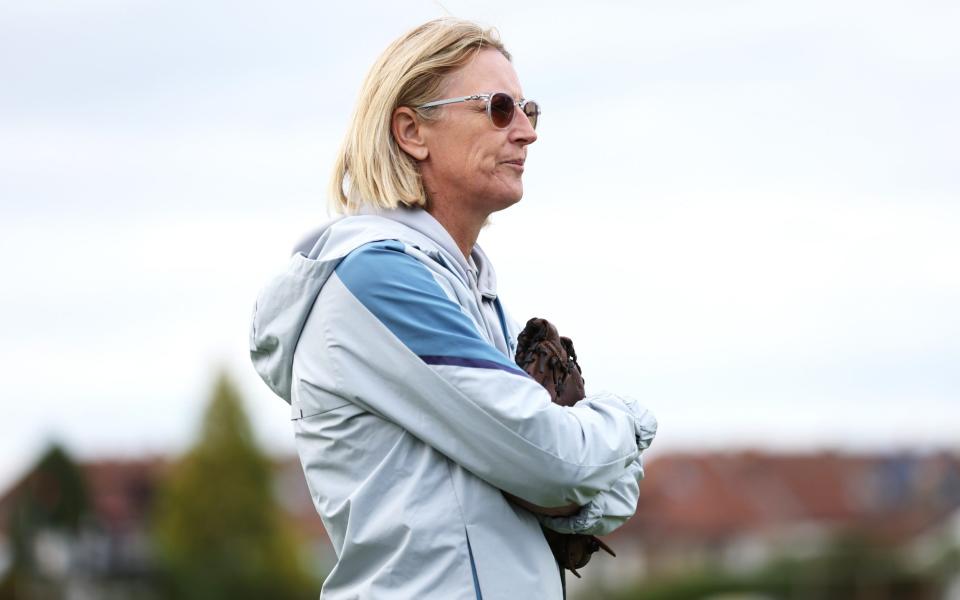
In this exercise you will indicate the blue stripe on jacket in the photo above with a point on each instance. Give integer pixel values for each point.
(400, 291)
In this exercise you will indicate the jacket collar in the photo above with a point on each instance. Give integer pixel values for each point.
(421, 221)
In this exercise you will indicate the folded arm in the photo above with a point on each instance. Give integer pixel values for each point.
(401, 348)
(606, 511)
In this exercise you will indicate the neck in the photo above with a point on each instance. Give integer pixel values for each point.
(463, 228)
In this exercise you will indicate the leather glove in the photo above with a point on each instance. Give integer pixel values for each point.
(552, 361)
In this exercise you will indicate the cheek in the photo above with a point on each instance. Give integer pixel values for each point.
(466, 154)
(476, 159)
(485, 157)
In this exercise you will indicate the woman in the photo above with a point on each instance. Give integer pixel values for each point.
(388, 338)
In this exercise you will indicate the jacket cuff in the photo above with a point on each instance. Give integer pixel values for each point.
(589, 515)
(646, 427)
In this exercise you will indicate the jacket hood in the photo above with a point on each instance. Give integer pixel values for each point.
(283, 306)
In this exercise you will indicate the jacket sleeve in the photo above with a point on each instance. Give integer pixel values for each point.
(398, 346)
(606, 511)
(611, 508)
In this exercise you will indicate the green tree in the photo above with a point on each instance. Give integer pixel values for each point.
(218, 529)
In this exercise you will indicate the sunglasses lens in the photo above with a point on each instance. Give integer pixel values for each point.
(502, 106)
(532, 110)
(501, 109)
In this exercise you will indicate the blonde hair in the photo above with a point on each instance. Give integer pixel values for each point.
(371, 168)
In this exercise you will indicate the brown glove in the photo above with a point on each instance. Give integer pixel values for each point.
(572, 550)
(551, 360)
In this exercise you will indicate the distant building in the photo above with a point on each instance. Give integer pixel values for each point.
(739, 510)
(736, 510)
(112, 556)
(109, 555)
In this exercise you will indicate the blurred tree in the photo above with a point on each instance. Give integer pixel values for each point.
(218, 529)
(48, 508)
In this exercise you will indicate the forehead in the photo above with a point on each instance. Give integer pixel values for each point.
(486, 71)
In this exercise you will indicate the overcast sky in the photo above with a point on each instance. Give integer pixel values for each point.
(746, 214)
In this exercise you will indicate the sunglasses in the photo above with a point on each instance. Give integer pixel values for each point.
(500, 107)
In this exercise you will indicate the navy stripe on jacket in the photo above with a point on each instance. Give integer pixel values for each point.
(400, 291)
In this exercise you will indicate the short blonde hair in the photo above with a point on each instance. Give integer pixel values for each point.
(371, 168)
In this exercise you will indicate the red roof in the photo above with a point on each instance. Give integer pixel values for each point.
(686, 498)
(713, 496)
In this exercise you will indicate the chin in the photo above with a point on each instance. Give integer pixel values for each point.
(496, 198)
(507, 201)
(512, 195)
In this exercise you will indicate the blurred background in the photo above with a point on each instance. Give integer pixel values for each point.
(745, 214)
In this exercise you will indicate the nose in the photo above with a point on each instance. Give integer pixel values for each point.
(521, 130)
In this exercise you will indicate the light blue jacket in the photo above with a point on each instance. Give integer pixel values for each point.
(410, 417)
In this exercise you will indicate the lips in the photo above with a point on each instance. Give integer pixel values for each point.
(517, 161)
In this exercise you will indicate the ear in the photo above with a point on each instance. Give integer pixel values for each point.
(407, 130)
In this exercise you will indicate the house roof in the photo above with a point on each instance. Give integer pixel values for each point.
(122, 492)
(716, 496)
(685, 498)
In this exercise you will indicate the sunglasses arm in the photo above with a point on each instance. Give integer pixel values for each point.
(455, 100)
